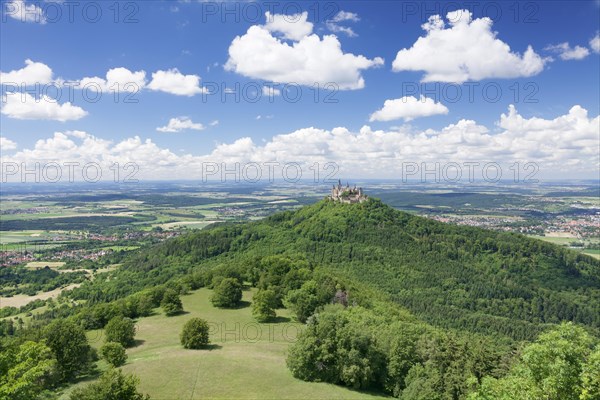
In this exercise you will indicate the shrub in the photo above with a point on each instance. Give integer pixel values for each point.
(227, 294)
(263, 305)
(171, 303)
(195, 334)
(120, 330)
(112, 385)
(113, 353)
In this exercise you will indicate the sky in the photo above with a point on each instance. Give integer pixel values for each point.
(370, 89)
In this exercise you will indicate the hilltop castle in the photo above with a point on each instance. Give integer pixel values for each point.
(347, 194)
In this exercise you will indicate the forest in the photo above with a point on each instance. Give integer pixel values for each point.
(392, 303)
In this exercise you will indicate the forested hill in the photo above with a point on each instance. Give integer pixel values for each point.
(449, 276)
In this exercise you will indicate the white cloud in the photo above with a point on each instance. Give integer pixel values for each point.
(174, 82)
(342, 16)
(33, 73)
(77, 134)
(179, 124)
(566, 52)
(25, 106)
(595, 43)
(117, 80)
(345, 16)
(214, 123)
(20, 10)
(259, 117)
(467, 50)
(6, 144)
(408, 108)
(309, 59)
(270, 91)
(292, 27)
(567, 144)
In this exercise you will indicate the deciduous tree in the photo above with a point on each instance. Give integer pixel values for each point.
(195, 334)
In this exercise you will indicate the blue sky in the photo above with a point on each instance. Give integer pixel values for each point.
(195, 38)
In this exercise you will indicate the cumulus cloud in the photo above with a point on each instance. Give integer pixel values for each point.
(6, 144)
(85, 148)
(566, 144)
(117, 79)
(20, 10)
(342, 16)
(33, 73)
(566, 52)
(466, 50)
(179, 124)
(408, 108)
(308, 59)
(25, 106)
(174, 82)
(595, 43)
(292, 27)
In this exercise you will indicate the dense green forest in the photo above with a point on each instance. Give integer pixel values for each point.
(393, 302)
(450, 276)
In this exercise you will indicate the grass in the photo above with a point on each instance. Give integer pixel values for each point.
(20, 236)
(557, 239)
(119, 248)
(20, 300)
(592, 252)
(189, 224)
(246, 360)
(42, 264)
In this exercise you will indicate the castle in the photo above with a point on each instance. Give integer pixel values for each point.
(347, 194)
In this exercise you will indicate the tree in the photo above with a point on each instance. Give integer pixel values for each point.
(590, 377)
(120, 330)
(334, 349)
(558, 366)
(303, 301)
(112, 385)
(227, 294)
(195, 334)
(402, 356)
(556, 359)
(171, 303)
(70, 346)
(264, 303)
(113, 353)
(30, 371)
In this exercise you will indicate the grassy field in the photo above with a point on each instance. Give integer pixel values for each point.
(559, 240)
(21, 236)
(188, 224)
(566, 241)
(592, 252)
(42, 264)
(246, 360)
(20, 300)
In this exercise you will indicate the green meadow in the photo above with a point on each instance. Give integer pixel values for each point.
(245, 360)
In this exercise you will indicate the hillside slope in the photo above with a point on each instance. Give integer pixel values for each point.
(450, 276)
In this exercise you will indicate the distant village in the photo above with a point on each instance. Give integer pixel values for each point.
(584, 227)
